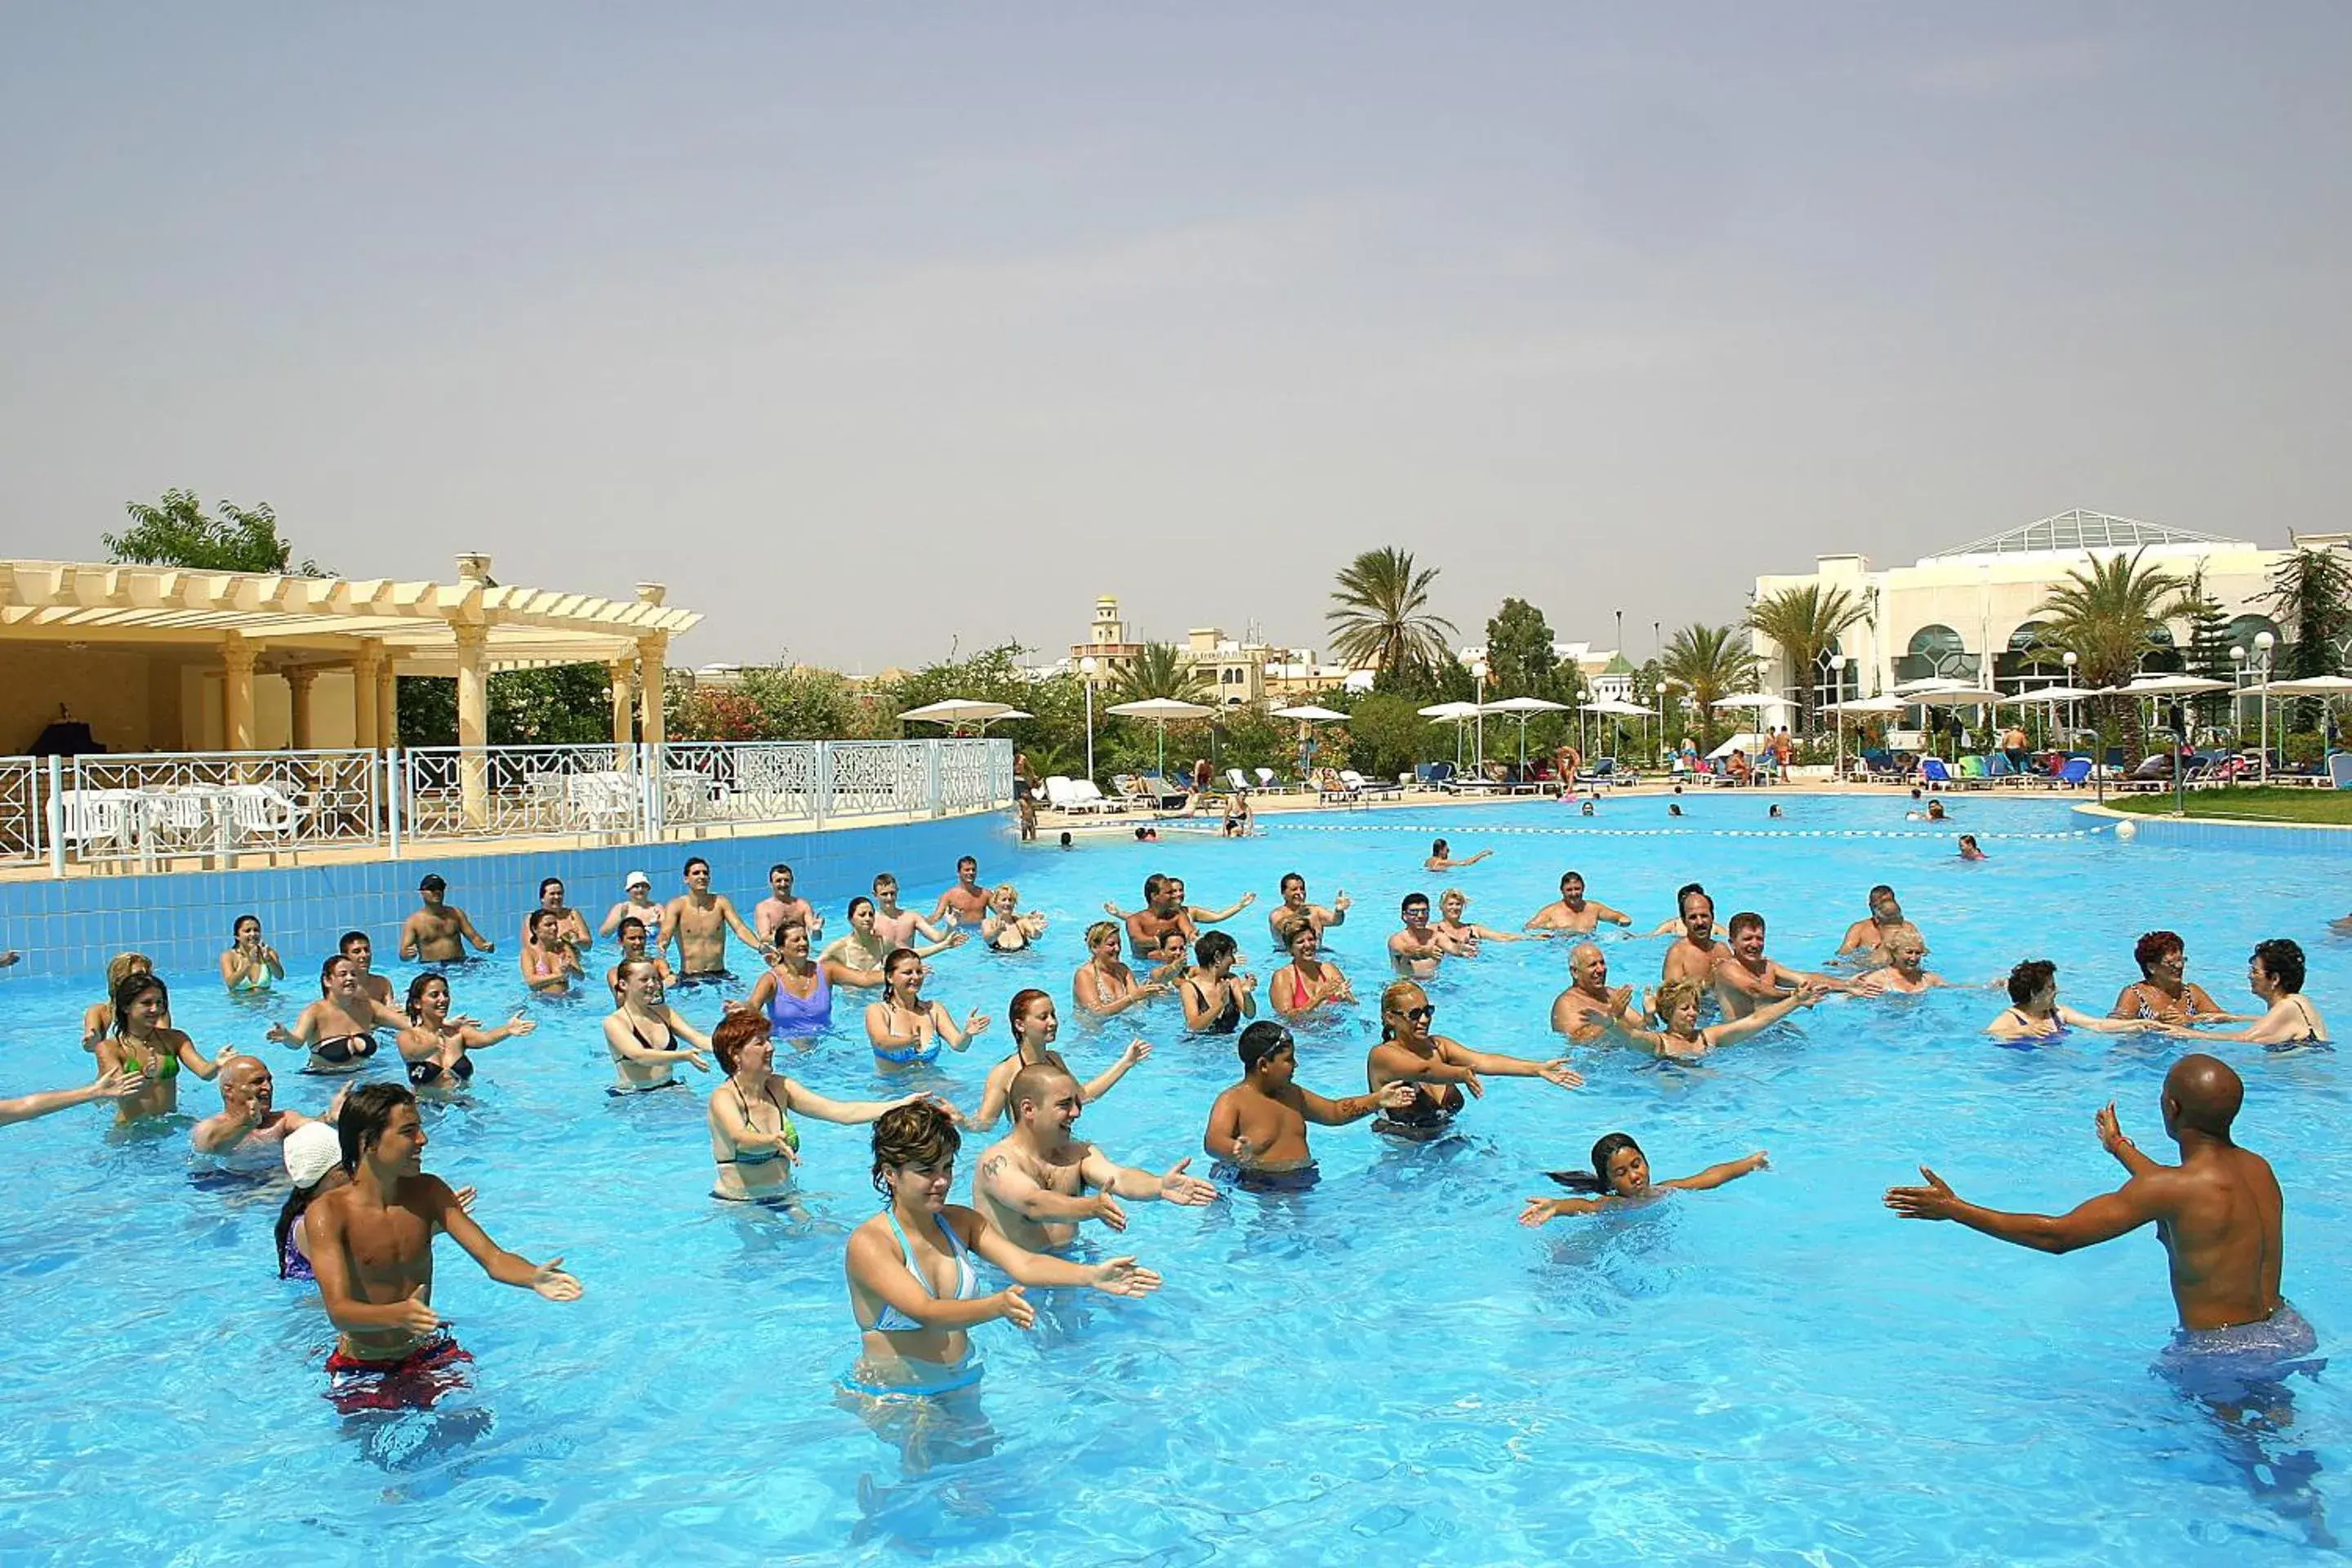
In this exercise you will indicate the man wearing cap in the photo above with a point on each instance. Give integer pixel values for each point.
(247, 1132)
(636, 901)
(781, 904)
(1257, 1129)
(570, 925)
(438, 932)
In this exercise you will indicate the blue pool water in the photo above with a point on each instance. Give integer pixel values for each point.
(1387, 1370)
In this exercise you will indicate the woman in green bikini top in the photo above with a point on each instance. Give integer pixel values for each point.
(250, 963)
(144, 1043)
(752, 1139)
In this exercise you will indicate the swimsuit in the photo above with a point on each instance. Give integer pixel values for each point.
(2237, 1361)
(791, 1015)
(1251, 1179)
(1228, 1017)
(413, 1382)
(668, 1079)
(890, 1320)
(1300, 998)
(2188, 1003)
(430, 1072)
(346, 1051)
(792, 1136)
(913, 1053)
(1429, 1116)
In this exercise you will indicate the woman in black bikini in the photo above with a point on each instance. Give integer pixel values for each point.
(643, 1034)
(1216, 1000)
(339, 1029)
(434, 1049)
(2164, 991)
(2274, 974)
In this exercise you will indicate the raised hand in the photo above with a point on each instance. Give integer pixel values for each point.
(1557, 1071)
(1538, 1212)
(1107, 1209)
(550, 1281)
(2110, 1131)
(1124, 1277)
(702, 1063)
(1935, 1200)
(1396, 1096)
(520, 1025)
(974, 1022)
(1179, 1188)
(1136, 1051)
(124, 1082)
(1013, 1307)
(465, 1196)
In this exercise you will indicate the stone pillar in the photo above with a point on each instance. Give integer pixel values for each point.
(651, 652)
(299, 681)
(473, 723)
(624, 733)
(364, 666)
(237, 692)
(388, 706)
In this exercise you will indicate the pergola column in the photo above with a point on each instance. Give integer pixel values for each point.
(473, 722)
(237, 692)
(651, 652)
(624, 709)
(364, 666)
(299, 681)
(388, 706)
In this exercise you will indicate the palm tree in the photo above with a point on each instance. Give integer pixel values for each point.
(1805, 623)
(1382, 620)
(1160, 670)
(2104, 615)
(1709, 663)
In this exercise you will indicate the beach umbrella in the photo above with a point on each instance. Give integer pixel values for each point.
(955, 711)
(1159, 710)
(1308, 716)
(1761, 702)
(1617, 708)
(1858, 708)
(1523, 709)
(1453, 713)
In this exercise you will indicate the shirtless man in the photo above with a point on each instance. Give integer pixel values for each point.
(1745, 978)
(2218, 1213)
(370, 1244)
(438, 932)
(1416, 948)
(895, 927)
(782, 904)
(698, 921)
(1164, 909)
(570, 925)
(247, 1132)
(636, 903)
(1295, 906)
(1585, 1011)
(1033, 1182)
(1439, 1069)
(966, 903)
(1441, 858)
(1573, 911)
(1868, 937)
(1696, 952)
(355, 946)
(1257, 1129)
(1905, 974)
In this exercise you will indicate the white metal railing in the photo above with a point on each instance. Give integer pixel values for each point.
(756, 780)
(212, 804)
(872, 778)
(22, 835)
(515, 792)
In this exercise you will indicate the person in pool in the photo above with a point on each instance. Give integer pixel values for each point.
(1034, 1027)
(1295, 905)
(1968, 849)
(752, 1139)
(1441, 858)
(1451, 905)
(1745, 977)
(2219, 1213)
(549, 960)
(250, 963)
(1439, 1069)
(121, 1083)
(432, 1047)
(965, 901)
(782, 904)
(98, 1018)
(1308, 980)
(1104, 985)
(1034, 1183)
(339, 1028)
(371, 1243)
(1416, 947)
(643, 1032)
(1257, 1129)
(795, 994)
(1868, 937)
(913, 1288)
(1572, 911)
(355, 946)
(698, 921)
(637, 904)
(1164, 909)
(862, 947)
(1696, 952)
(1590, 1007)
(1216, 999)
(145, 1044)
(895, 927)
(1005, 927)
(570, 925)
(1170, 961)
(637, 942)
(2274, 974)
(439, 931)
(1906, 969)
(248, 1131)
(1621, 1176)
(905, 1028)
(1678, 1034)
(2034, 1014)
(2164, 991)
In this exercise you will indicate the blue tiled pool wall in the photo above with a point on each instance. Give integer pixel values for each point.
(73, 927)
(2262, 837)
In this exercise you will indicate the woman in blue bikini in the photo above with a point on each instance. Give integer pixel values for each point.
(906, 1029)
(912, 1286)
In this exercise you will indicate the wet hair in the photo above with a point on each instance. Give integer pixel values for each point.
(538, 915)
(1261, 1040)
(890, 961)
(367, 1111)
(731, 1034)
(1095, 932)
(780, 865)
(628, 922)
(1033, 1083)
(1596, 1180)
(860, 898)
(1682, 895)
(2150, 949)
(237, 925)
(776, 936)
(691, 864)
(1020, 1005)
(1674, 994)
(1412, 898)
(1672, 810)
(1744, 918)
(327, 970)
(1290, 877)
(623, 970)
(132, 988)
(917, 1133)
(1213, 948)
(2283, 961)
(884, 879)
(2027, 980)
(547, 882)
(417, 992)
(1438, 848)
(1153, 886)
(120, 965)
(343, 943)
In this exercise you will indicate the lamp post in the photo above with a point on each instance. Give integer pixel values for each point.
(1478, 747)
(1086, 679)
(2237, 689)
(2073, 660)
(1665, 738)
(1837, 687)
(2264, 642)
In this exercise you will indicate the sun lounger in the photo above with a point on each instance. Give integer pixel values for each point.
(1367, 787)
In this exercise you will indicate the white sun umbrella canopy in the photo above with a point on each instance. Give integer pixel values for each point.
(1456, 714)
(959, 711)
(1866, 706)
(2172, 686)
(1159, 710)
(2305, 686)
(1309, 715)
(1523, 709)
(1761, 702)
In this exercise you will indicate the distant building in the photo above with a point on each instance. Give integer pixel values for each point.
(1106, 645)
(1602, 671)
(1242, 672)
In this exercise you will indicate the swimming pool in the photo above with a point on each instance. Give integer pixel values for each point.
(1388, 1369)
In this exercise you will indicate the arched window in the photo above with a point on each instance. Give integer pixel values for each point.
(1936, 653)
(1834, 685)
(2162, 659)
(2029, 661)
(2245, 629)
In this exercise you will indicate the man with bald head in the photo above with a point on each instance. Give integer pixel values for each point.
(1589, 1007)
(249, 1131)
(1034, 1183)
(2218, 1214)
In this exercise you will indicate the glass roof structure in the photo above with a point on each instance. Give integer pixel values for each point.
(2079, 530)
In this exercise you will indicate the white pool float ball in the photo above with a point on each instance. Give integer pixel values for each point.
(2127, 831)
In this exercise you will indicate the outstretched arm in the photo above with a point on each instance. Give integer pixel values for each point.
(115, 1083)
(1016, 1190)
(1763, 1019)
(1211, 917)
(506, 1268)
(1117, 1276)
(1099, 1170)
(844, 1113)
(1494, 1064)
(1716, 1176)
(2111, 1138)
(1136, 1051)
(2103, 1218)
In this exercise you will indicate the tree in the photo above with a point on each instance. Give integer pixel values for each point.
(1710, 663)
(1382, 618)
(178, 534)
(1520, 658)
(565, 705)
(1805, 623)
(1160, 670)
(1385, 736)
(2105, 615)
(2311, 594)
(2208, 653)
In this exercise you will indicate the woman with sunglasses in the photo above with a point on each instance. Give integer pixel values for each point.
(1439, 1069)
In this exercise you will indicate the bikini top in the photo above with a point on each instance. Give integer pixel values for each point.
(791, 1134)
(891, 1321)
(346, 1047)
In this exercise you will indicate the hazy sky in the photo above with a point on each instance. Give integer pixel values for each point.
(869, 327)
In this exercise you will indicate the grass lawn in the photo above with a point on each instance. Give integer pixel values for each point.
(2248, 803)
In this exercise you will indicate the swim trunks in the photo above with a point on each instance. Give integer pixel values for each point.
(2230, 1363)
(1253, 1180)
(928, 1379)
(414, 1382)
